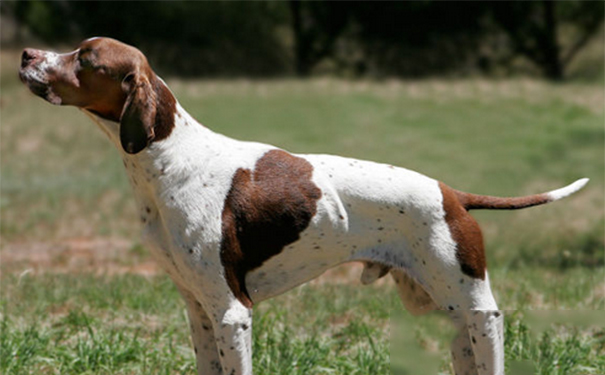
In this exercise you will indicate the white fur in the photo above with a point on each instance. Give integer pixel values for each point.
(376, 213)
(37, 74)
(567, 190)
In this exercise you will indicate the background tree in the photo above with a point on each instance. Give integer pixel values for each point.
(315, 26)
(419, 38)
(351, 38)
(180, 37)
(535, 30)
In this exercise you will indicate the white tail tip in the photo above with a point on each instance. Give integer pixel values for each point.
(567, 190)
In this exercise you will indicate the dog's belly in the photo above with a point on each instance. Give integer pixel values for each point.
(298, 263)
(319, 250)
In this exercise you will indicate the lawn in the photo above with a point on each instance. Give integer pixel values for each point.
(81, 296)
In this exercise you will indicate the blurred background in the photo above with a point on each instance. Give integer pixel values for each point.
(501, 98)
(346, 39)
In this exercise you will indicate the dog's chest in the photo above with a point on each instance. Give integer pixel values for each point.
(181, 200)
(176, 230)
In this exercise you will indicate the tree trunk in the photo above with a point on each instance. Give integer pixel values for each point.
(551, 60)
(301, 45)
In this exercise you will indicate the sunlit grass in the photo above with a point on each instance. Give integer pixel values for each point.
(536, 343)
(74, 324)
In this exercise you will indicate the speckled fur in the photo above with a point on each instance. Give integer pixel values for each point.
(392, 219)
(389, 217)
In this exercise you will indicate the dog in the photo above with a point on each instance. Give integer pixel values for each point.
(235, 223)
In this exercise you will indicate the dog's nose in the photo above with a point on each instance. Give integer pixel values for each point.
(29, 55)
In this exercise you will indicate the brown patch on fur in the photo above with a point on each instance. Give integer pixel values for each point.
(473, 201)
(466, 233)
(265, 210)
(165, 111)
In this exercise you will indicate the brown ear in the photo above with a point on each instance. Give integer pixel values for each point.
(138, 117)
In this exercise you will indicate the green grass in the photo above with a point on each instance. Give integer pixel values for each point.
(79, 324)
(62, 181)
(536, 342)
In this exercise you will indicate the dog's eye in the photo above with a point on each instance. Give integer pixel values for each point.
(129, 77)
(84, 62)
(85, 58)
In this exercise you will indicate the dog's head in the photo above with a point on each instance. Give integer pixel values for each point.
(106, 77)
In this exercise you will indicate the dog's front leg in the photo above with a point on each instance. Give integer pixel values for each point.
(233, 336)
(202, 334)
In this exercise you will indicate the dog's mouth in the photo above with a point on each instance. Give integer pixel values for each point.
(36, 83)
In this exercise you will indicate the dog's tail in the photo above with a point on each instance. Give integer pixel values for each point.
(473, 201)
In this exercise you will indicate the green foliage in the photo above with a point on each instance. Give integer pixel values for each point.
(180, 37)
(534, 30)
(558, 350)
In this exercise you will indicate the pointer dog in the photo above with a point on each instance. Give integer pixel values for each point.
(234, 223)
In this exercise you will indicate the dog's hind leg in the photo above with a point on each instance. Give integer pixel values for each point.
(460, 282)
(486, 331)
(463, 357)
(478, 349)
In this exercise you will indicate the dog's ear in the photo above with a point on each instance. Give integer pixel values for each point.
(138, 116)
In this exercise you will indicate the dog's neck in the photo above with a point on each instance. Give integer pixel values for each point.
(186, 136)
(182, 154)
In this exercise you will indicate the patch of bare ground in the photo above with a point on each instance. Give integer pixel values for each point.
(98, 256)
